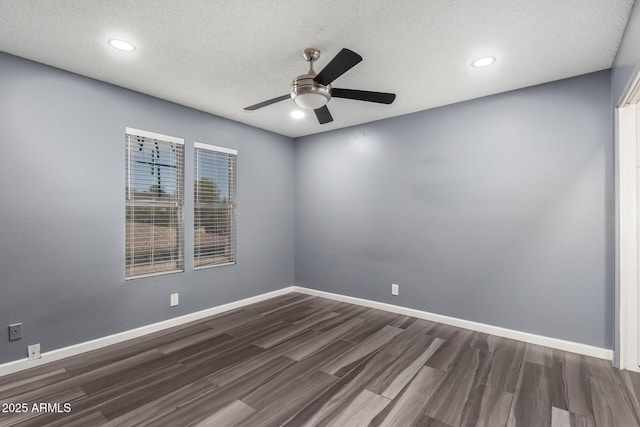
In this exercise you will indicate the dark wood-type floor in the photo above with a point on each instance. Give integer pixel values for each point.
(298, 360)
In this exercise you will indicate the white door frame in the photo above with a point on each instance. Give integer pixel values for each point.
(627, 162)
(627, 234)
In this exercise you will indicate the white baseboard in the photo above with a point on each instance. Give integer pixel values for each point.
(52, 356)
(573, 347)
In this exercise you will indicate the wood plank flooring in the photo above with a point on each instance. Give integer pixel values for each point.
(298, 360)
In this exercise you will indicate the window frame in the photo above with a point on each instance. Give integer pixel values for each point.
(180, 188)
(232, 202)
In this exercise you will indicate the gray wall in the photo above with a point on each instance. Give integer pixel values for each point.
(62, 215)
(627, 61)
(496, 210)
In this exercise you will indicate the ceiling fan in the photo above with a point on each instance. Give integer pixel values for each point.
(313, 91)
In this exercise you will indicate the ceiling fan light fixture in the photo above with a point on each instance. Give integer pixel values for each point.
(310, 101)
(309, 94)
(483, 62)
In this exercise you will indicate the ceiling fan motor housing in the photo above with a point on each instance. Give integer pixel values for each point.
(308, 93)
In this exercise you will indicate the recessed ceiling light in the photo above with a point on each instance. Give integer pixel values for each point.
(122, 45)
(483, 62)
(297, 114)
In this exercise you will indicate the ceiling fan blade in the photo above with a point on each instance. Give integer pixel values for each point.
(323, 115)
(340, 64)
(363, 95)
(269, 102)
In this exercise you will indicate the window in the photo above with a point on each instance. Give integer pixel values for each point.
(154, 203)
(214, 207)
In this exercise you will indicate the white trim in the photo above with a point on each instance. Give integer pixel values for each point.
(631, 95)
(153, 135)
(634, 95)
(627, 234)
(204, 267)
(574, 347)
(212, 147)
(54, 355)
(159, 273)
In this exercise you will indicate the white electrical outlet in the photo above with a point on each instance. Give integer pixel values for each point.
(394, 289)
(175, 300)
(34, 351)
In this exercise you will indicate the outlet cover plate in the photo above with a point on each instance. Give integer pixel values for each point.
(15, 332)
(34, 351)
(395, 289)
(175, 300)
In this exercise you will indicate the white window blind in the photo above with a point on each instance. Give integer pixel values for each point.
(154, 203)
(214, 207)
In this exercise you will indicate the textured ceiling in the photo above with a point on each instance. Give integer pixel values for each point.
(221, 56)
